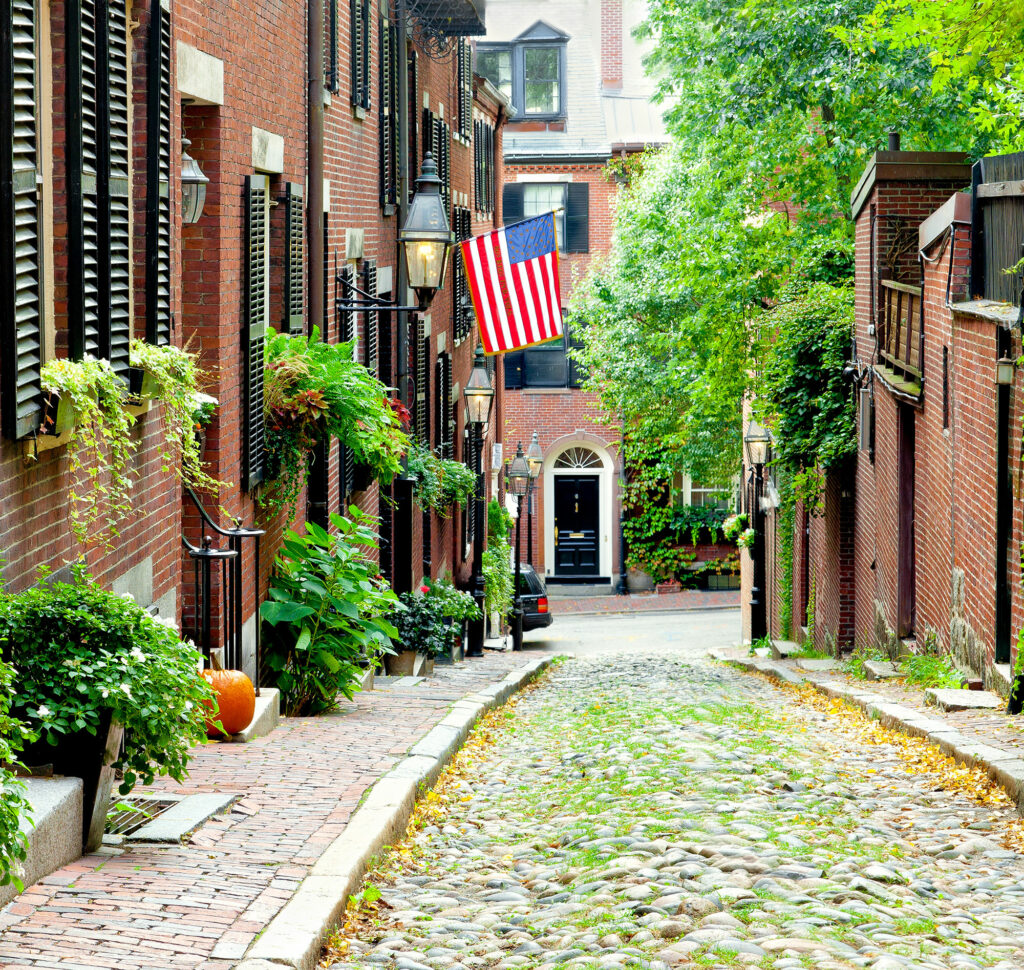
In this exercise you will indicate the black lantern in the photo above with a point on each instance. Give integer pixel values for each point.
(517, 475)
(479, 392)
(193, 186)
(535, 457)
(757, 441)
(426, 236)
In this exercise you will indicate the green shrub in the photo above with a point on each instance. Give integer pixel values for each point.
(326, 615)
(81, 652)
(440, 483)
(421, 625)
(499, 520)
(455, 604)
(14, 807)
(498, 576)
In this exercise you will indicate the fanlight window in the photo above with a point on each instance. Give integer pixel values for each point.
(577, 458)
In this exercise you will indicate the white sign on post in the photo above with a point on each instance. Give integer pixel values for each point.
(496, 456)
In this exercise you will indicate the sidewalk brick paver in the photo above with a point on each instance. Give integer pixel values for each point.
(200, 905)
(687, 599)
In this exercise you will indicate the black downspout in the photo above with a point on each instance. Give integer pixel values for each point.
(1004, 506)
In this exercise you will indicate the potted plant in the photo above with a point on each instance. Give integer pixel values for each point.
(456, 608)
(439, 483)
(100, 447)
(326, 615)
(172, 374)
(313, 390)
(421, 630)
(93, 669)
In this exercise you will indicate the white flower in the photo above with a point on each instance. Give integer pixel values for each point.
(128, 596)
(137, 654)
(43, 712)
(105, 692)
(127, 691)
(167, 621)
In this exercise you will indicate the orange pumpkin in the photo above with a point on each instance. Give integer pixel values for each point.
(236, 698)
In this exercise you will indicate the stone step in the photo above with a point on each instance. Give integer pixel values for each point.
(781, 649)
(818, 664)
(949, 699)
(55, 834)
(881, 670)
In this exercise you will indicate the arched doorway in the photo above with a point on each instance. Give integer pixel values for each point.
(578, 513)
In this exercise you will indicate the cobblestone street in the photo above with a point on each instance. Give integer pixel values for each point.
(656, 809)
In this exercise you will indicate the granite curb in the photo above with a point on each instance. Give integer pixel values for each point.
(294, 937)
(1003, 765)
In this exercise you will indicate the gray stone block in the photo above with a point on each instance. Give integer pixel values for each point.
(265, 718)
(781, 649)
(55, 834)
(947, 699)
(183, 819)
(1010, 776)
(881, 670)
(818, 664)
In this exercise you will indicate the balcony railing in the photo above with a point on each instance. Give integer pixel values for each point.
(899, 337)
(450, 18)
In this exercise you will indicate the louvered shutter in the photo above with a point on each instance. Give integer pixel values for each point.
(476, 167)
(370, 350)
(511, 203)
(295, 240)
(82, 183)
(422, 377)
(489, 168)
(346, 475)
(114, 195)
(388, 115)
(347, 321)
(158, 178)
(360, 44)
(20, 331)
(331, 45)
(412, 70)
(577, 218)
(465, 73)
(384, 350)
(444, 137)
(255, 325)
(577, 372)
(443, 419)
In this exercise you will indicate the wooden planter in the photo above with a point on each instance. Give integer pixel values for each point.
(401, 664)
(89, 757)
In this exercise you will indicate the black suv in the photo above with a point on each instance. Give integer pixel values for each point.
(536, 613)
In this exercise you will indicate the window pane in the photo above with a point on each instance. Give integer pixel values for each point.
(540, 63)
(543, 197)
(541, 97)
(543, 367)
(496, 66)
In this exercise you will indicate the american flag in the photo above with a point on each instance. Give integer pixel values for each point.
(513, 279)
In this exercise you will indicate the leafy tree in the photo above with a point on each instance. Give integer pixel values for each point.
(976, 44)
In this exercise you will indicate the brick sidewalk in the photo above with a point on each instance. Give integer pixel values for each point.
(201, 904)
(687, 599)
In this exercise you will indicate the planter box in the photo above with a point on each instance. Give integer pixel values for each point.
(670, 586)
(401, 664)
(637, 581)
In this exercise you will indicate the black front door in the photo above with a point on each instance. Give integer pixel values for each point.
(576, 518)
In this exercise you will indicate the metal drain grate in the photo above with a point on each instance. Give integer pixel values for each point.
(128, 813)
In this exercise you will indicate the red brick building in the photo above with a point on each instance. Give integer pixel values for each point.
(918, 541)
(96, 101)
(573, 74)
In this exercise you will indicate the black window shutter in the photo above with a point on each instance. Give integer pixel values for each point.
(357, 51)
(445, 136)
(115, 214)
(512, 203)
(331, 45)
(158, 175)
(449, 414)
(577, 218)
(384, 348)
(295, 240)
(388, 114)
(20, 331)
(513, 370)
(255, 327)
(421, 375)
(347, 323)
(414, 114)
(577, 372)
(465, 66)
(370, 343)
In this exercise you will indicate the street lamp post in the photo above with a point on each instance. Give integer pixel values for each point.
(622, 587)
(479, 395)
(517, 481)
(535, 459)
(757, 441)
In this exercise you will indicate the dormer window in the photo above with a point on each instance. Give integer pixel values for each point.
(529, 70)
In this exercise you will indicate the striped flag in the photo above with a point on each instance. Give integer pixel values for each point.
(513, 279)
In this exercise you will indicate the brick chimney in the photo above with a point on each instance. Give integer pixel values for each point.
(611, 45)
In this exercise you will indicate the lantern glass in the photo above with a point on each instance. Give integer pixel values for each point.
(517, 475)
(535, 457)
(479, 392)
(193, 186)
(757, 441)
(426, 260)
(1004, 371)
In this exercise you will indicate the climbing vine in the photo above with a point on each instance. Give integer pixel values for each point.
(785, 525)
